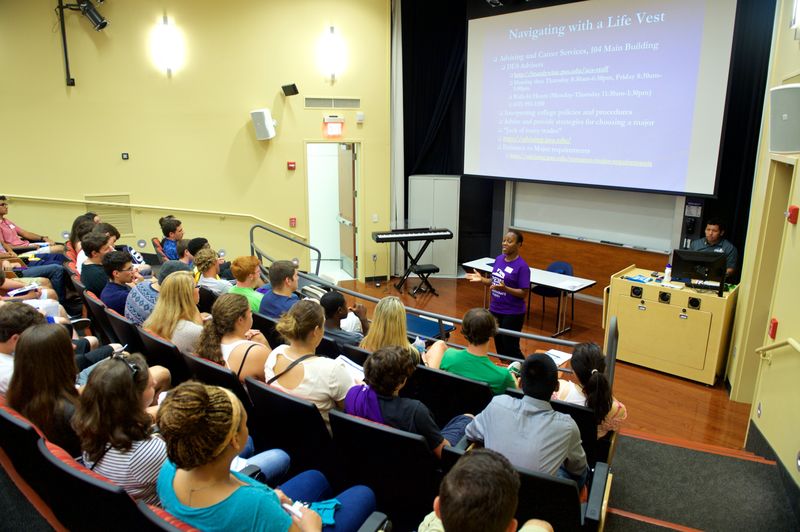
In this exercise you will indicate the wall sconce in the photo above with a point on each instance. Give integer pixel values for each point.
(331, 54)
(167, 46)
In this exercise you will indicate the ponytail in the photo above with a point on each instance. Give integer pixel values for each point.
(589, 365)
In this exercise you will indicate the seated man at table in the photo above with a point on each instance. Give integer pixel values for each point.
(336, 310)
(283, 282)
(478, 327)
(528, 431)
(715, 242)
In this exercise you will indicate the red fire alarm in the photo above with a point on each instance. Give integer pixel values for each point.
(791, 214)
(292, 222)
(773, 328)
(291, 165)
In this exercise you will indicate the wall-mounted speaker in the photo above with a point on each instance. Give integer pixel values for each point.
(784, 119)
(264, 124)
(290, 89)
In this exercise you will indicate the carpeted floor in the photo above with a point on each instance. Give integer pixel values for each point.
(696, 489)
(17, 513)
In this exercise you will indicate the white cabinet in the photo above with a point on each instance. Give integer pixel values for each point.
(433, 202)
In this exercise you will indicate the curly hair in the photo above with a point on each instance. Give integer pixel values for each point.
(110, 409)
(227, 309)
(198, 422)
(387, 368)
(301, 320)
(205, 259)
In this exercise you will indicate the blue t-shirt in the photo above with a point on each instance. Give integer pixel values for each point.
(273, 305)
(514, 274)
(253, 506)
(170, 248)
(114, 296)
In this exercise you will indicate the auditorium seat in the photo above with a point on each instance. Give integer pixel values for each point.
(555, 500)
(283, 421)
(397, 465)
(214, 374)
(357, 354)
(328, 348)
(162, 257)
(446, 394)
(127, 332)
(162, 520)
(266, 325)
(207, 299)
(18, 439)
(160, 351)
(97, 313)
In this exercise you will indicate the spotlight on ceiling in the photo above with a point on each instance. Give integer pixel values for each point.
(89, 11)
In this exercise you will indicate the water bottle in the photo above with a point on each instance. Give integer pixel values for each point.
(419, 343)
(667, 274)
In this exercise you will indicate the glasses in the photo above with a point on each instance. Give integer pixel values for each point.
(126, 269)
(131, 366)
(4, 204)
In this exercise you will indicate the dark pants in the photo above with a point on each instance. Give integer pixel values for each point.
(85, 358)
(504, 344)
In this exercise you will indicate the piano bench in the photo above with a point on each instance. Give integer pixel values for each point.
(424, 269)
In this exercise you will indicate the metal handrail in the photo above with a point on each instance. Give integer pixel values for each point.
(157, 208)
(763, 351)
(261, 254)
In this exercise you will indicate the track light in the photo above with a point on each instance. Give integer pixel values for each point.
(89, 11)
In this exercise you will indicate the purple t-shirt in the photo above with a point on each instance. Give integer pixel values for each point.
(514, 274)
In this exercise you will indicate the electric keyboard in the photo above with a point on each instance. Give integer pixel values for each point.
(411, 235)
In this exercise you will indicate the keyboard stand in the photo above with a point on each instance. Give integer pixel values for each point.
(413, 260)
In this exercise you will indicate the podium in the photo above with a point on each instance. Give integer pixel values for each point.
(678, 330)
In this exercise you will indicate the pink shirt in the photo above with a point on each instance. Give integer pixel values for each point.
(8, 231)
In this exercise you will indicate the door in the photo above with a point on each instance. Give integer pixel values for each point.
(347, 208)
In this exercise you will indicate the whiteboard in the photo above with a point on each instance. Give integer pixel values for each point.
(636, 219)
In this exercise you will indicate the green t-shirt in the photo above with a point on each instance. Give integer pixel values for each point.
(253, 297)
(480, 368)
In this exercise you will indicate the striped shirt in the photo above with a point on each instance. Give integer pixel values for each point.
(135, 470)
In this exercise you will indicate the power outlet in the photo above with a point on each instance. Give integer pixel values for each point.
(374, 257)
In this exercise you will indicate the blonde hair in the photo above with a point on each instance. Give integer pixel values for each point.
(301, 320)
(227, 309)
(205, 259)
(388, 327)
(198, 422)
(175, 302)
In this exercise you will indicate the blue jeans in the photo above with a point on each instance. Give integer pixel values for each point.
(53, 272)
(273, 465)
(358, 502)
(456, 428)
(579, 479)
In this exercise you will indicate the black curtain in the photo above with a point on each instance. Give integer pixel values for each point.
(434, 53)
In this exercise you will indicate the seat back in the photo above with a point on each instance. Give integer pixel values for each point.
(127, 332)
(216, 375)
(328, 348)
(207, 298)
(97, 313)
(281, 420)
(162, 520)
(266, 325)
(162, 257)
(357, 354)
(560, 266)
(162, 352)
(82, 500)
(18, 439)
(397, 465)
(447, 394)
(541, 496)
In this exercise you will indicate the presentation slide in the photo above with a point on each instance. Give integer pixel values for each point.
(609, 93)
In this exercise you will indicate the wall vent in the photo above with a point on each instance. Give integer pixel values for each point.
(119, 217)
(332, 103)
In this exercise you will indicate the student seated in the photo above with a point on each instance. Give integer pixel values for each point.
(15, 237)
(589, 365)
(117, 435)
(337, 310)
(42, 386)
(229, 339)
(248, 278)
(389, 327)
(295, 368)
(480, 494)
(280, 296)
(205, 427)
(175, 315)
(143, 296)
(478, 327)
(172, 229)
(385, 373)
(120, 272)
(528, 431)
(80, 228)
(207, 265)
(93, 275)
